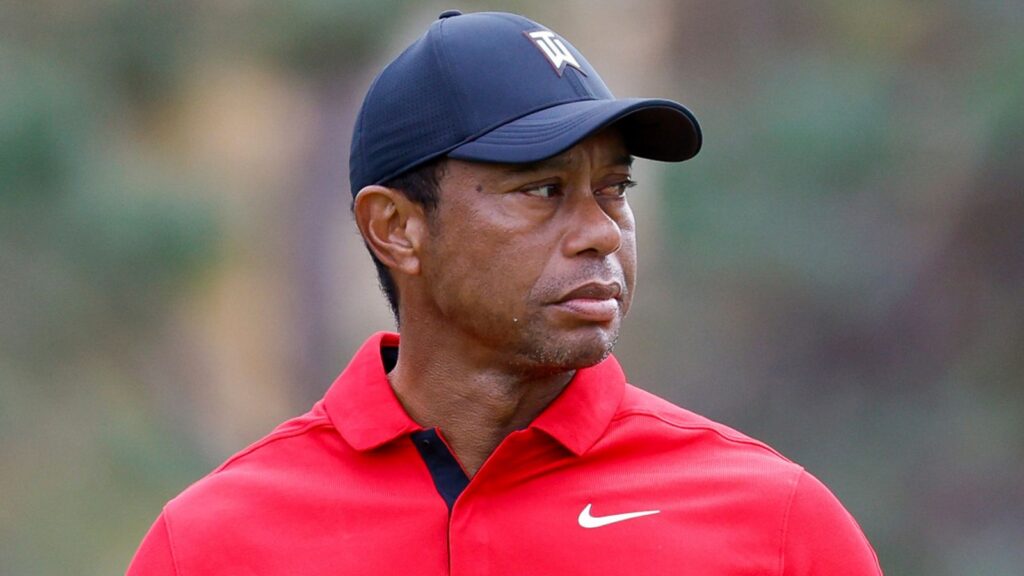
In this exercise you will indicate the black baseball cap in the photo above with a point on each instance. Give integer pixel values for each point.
(497, 87)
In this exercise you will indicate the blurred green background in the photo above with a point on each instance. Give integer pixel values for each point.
(840, 273)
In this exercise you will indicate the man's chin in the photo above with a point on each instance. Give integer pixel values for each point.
(568, 352)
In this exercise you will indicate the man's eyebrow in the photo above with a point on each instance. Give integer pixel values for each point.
(559, 161)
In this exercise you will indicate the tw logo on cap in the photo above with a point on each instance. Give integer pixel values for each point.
(554, 50)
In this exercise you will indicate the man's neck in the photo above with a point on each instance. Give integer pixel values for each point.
(474, 403)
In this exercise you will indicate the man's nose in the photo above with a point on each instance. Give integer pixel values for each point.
(591, 229)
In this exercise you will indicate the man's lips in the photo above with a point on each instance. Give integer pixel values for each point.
(594, 301)
(594, 291)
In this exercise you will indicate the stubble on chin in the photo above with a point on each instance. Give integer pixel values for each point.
(544, 354)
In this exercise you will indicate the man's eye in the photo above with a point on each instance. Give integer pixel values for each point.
(542, 191)
(616, 190)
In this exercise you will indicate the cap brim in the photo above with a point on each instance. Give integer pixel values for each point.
(652, 128)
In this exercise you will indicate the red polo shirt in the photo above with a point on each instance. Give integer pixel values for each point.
(607, 480)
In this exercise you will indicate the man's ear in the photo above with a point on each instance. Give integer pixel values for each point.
(393, 226)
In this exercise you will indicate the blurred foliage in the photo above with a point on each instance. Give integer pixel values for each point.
(96, 239)
(869, 214)
(843, 274)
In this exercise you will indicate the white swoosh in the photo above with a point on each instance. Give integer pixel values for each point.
(588, 521)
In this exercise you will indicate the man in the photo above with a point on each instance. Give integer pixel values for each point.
(489, 166)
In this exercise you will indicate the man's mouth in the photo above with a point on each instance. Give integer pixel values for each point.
(593, 301)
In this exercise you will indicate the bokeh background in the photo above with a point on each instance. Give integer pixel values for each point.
(839, 273)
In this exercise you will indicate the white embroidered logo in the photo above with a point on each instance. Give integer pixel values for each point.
(554, 49)
(587, 520)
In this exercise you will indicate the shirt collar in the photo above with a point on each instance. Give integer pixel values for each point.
(582, 412)
(364, 408)
(362, 405)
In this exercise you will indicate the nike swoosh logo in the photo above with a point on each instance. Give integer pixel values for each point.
(588, 521)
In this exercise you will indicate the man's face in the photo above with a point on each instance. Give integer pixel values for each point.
(535, 262)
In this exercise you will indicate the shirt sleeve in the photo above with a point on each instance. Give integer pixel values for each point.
(154, 556)
(821, 538)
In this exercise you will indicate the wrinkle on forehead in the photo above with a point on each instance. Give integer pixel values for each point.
(601, 151)
(609, 139)
(560, 162)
